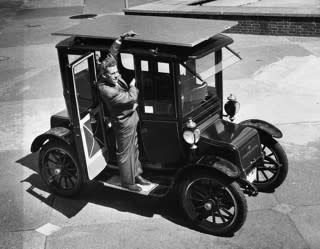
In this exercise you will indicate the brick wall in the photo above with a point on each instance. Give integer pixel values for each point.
(278, 26)
(264, 25)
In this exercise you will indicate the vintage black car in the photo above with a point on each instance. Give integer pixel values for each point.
(186, 145)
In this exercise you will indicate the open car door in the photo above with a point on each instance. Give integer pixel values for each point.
(87, 115)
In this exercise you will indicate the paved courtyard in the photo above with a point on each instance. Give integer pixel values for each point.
(277, 80)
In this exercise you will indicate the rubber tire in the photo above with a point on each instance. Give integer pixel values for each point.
(56, 144)
(281, 156)
(237, 193)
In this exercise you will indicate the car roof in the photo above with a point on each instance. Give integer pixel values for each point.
(182, 32)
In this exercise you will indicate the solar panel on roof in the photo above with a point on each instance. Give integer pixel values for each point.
(162, 30)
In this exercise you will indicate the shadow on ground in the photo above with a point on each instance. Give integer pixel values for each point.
(96, 193)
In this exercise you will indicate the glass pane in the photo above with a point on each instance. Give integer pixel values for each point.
(83, 86)
(198, 82)
(163, 67)
(73, 57)
(158, 90)
(144, 66)
(127, 61)
(183, 70)
(228, 59)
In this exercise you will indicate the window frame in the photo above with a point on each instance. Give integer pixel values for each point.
(153, 68)
(198, 77)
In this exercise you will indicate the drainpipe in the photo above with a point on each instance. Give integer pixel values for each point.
(126, 4)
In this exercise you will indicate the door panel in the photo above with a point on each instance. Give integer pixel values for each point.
(89, 114)
(158, 122)
(160, 141)
(93, 148)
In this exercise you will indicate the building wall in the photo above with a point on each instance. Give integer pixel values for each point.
(278, 26)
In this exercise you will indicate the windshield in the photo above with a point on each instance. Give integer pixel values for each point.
(198, 81)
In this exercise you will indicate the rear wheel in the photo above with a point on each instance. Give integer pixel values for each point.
(213, 204)
(59, 168)
(274, 169)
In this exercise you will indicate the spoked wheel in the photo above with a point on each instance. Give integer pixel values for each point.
(274, 169)
(59, 168)
(212, 204)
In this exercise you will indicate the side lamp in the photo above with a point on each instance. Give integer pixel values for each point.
(231, 107)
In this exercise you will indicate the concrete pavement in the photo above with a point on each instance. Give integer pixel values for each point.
(276, 81)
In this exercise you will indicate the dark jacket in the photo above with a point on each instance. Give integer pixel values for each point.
(120, 99)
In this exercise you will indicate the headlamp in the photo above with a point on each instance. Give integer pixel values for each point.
(188, 136)
(192, 134)
(232, 106)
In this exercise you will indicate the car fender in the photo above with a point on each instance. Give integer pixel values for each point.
(211, 162)
(60, 133)
(263, 126)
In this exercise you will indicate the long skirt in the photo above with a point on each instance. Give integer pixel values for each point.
(127, 148)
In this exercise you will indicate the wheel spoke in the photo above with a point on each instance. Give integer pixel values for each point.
(270, 160)
(199, 207)
(51, 167)
(196, 199)
(54, 154)
(71, 173)
(273, 170)
(212, 189)
(68, 180)
(201, 195)
(68, 164)
(64, 159)
(221, 216)
(265, 175)
(51, 178)
(59, 181)
(71, 181)
(270, 154)
(50, 160)
(202, 216)
(226, 211)
(268, 163)
(65, 181)
(199, 189)
(213, 216)
(71, 170)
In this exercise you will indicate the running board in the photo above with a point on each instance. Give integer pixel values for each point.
(115, 182)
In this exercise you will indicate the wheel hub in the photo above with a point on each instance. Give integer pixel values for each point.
(57, 171)
(209, 205)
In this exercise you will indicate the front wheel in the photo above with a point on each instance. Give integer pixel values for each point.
(213, 204)
(274, 169)
(60, 169)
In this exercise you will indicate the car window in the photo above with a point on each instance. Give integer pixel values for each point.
(198, 84)
(157, 88)
(82, 85)
(127, 61)
(73, 57)
(144, 66)
(163, 67)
